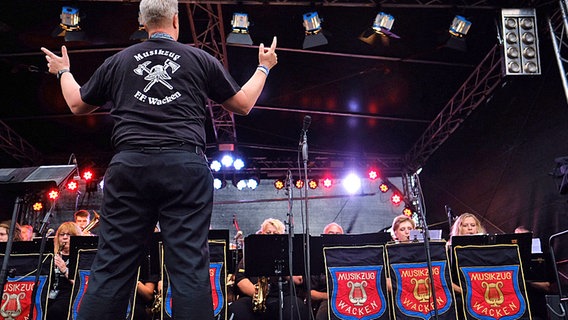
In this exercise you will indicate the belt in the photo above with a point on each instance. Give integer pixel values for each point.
(167, 147)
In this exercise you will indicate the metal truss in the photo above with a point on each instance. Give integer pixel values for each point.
(17, 147)
(558, 25)
(208, 32)
(475, 90)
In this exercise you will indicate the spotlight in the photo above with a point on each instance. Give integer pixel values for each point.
(384, 187)
(279, 184)
(373, 174)
(215, 165)
(88, 175)
(253, 182)
(299, 183)
(458, 30)
(219, 183)
(313, 184)
(53, 194)
(37, 206)
(381, 28)
(352, 183)
(239, 33)
(227, 161)
(407, 212)
(314, 36)
(72, 185)
(327, 183)
(396, 199)
(69, 27)
(141, 34)
(520, 42)
(238, 164)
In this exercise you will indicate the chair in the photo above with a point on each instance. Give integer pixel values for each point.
(558, 305)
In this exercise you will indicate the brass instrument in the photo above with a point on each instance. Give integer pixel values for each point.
(156, 307)
(93, 223)
(260, 293)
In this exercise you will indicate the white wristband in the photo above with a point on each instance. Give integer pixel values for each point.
(263, 69)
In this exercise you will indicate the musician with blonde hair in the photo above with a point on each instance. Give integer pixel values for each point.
(61, 286)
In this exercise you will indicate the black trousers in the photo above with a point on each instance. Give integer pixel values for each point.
(174, 187)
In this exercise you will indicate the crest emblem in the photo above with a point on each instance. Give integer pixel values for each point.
(493, 292)
(17, 298)
(157, 73)
(356, 292)
(413, 289)
(216, 292)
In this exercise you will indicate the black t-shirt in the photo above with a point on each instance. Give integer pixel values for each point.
(159, 91)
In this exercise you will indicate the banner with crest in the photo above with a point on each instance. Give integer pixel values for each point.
(413, 293)
(356, 282)
(18, 289)
(217, 276)
(492, 282)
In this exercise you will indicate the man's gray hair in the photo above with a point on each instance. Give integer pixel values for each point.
(154, 13)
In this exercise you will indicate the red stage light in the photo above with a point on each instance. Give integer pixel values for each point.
(373, 174)
(384, 187)
(72, 186)
(299, 183)
(327, 182)
(37, 206)
(396, 199)
(53, 194)
(88, 175)
(279, 184)
(407, 212)
(313, 184)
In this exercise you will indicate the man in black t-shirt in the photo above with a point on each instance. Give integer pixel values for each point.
(159, 91)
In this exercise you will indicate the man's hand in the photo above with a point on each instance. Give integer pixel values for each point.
(268, 57)
(55, 62)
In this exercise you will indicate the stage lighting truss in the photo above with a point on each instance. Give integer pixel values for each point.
(520, 43)
(69, 27)
(314, 37)
(240, 29)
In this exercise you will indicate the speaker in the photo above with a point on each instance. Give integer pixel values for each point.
(553, 308)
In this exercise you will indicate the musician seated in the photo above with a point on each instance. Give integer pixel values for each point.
(27, 233)
(245, 308)
(5, 231)
(61, 286)
(83, 219)
(320, 298)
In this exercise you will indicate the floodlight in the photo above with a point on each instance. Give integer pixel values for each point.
(314, 36)
(458, 30)
(520, 42)
(69, 27)
(381, 28)
(240, 29)
(219, 183)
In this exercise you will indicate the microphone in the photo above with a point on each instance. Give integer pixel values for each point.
(449, 212)
(307, 122)
(49, 232)
(239, 235)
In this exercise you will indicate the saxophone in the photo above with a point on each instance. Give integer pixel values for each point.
(260, 293)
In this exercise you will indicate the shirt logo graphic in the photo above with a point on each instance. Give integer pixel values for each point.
(158, 73)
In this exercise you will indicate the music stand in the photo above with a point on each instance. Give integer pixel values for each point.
(24, 180)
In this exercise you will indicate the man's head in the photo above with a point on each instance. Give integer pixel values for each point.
(159, 14)
(333, 228)
(27, 233)
(82, 218)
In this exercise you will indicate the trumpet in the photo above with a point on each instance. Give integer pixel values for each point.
(93, 223)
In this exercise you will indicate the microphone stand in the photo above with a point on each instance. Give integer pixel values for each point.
(290, 242)
(304, 145)
(4, 272)
(420, 209)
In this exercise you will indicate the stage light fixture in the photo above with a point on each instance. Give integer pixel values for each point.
(219, 183)
(381, 29)
(227, 160)
(458, 30)
(240, 29)
(407, 212)
(72, 185)
(215, 165)
(141, 34)
(88, 175)
(314, 36)
(37, 206)
(53, 194)
(238, 164)
(384, 187)
(253, 182)
(279, 184)
(396, 199)
(373, 174)
(352, 183)
(313, 184)
(520, 42)
(299, 183)
(69, 27)
(327, 183)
